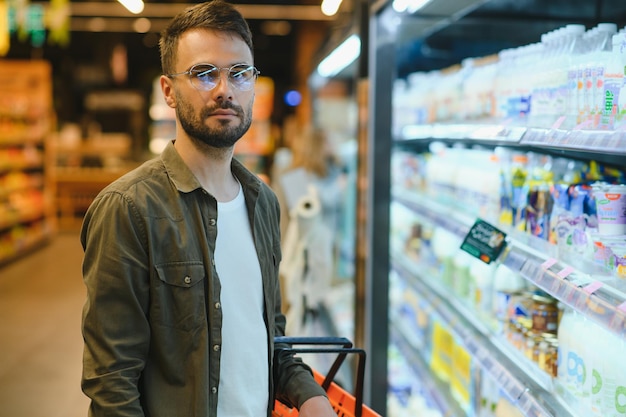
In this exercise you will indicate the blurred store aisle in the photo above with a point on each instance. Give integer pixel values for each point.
(41, 296)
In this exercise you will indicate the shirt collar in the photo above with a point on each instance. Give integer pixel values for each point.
(185, 181)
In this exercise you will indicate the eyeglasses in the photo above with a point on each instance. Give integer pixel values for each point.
(205, 77)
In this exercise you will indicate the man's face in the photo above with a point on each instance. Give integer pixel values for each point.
(218, 117)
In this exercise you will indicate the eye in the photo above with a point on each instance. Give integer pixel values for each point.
(241, 73)
(205, 73)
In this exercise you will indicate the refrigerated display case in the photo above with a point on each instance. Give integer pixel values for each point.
(458, 102)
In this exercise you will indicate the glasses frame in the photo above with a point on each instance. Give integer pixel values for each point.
(191, 75)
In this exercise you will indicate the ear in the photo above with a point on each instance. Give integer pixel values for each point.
(168, 91)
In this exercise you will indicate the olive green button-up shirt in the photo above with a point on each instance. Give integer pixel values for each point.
(152, 319)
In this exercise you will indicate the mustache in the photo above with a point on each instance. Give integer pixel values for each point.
(222, 106)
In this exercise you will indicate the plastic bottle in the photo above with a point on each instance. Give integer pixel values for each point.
(598, 353)
(567, 99)
(489, 395)
(416, 100)
(583, 106)
(548, 101)
(613, 83)
(519, 172)
(505, 203)
(400, 110)
(537, 191)
(519, 102)
(445, 244)
(539, 93)
(564, 336)
(577, 75)
(594, 86)
(478, 90)
(506, 283)
(478, 183)
(481, 291)
(575, 372)
(461, 280)
(614, 381)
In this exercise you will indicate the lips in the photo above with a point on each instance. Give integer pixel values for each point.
(224, 113)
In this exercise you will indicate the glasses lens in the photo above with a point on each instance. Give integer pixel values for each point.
(205, 76)
(242, 76)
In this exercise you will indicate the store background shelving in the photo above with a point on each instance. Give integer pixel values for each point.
(441, 35)
(85, 158)
(26, 120)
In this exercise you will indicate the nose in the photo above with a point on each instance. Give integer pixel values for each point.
(223, 89)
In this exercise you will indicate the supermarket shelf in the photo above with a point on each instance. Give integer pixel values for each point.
(21, 166)
(523, 388)
(492, 132)
(28, 117)
(77, 187)
(584, 140)
(106, 144)
(30, 243)
(454, 221)
(17, 218)
(604, 145)
(579, 285)
(585, 294)
(33, 137)
(435, 389)
(479, 325)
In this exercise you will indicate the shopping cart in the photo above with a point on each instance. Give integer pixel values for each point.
(344, 403)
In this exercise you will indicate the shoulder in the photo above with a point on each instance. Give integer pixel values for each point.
(149, 170)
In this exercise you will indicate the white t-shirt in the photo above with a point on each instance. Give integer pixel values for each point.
(243, 389)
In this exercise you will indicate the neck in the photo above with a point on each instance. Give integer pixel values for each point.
(211, 166)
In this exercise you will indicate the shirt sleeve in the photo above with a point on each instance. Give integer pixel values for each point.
(115, 327)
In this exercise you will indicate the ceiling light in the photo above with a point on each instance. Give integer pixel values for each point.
(410, 6)
(330, 7)
(344, 55)
(133, 6)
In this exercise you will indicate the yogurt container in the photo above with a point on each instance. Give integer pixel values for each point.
(611, 208)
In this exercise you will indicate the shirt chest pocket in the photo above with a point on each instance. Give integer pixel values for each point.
(178, 297)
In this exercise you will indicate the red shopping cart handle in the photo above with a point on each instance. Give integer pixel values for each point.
(340, 345)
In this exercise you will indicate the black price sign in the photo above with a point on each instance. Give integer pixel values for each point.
(484, 241)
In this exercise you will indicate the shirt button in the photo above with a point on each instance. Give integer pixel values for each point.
(187, 280)
(218, 306)
(216, 348)
(213, 262)
(213, 390)
(212, 222)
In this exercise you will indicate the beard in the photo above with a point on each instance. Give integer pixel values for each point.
(224, 136)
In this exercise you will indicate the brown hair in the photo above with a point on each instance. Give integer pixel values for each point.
(310, 150)
(215, 14)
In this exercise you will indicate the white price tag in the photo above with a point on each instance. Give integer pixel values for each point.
(565, 272)
(548, 263)
(532, 271)
(514, 261)
(593, 287)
